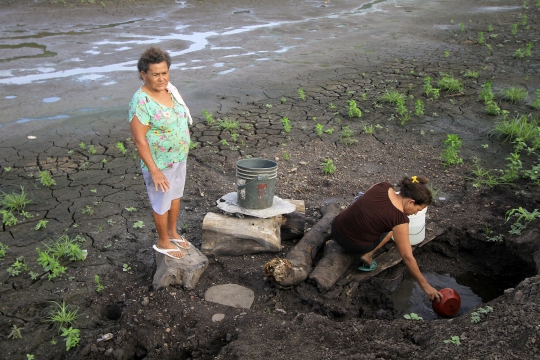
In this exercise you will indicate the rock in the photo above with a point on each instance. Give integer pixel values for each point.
(185, 271)
(218, 317)
(231, 295)
(109, 352)
(145, 301)
(86, 350)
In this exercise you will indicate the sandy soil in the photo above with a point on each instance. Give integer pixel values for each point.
(395, 47)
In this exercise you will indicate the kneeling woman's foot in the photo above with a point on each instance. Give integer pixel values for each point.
(173, 253)
(366, 267)
(182, 243)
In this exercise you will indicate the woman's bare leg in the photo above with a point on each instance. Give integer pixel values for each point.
(163, 236)
(368, 257)
(172, 220)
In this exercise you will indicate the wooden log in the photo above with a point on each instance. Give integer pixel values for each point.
(292, 225)
(296, 266)
(229, 235)
(335, 262)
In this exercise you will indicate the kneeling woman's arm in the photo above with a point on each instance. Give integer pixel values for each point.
(401, 237)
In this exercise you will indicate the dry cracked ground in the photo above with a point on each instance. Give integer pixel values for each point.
(99, 196)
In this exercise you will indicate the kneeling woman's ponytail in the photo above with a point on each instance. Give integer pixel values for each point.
(415, 188)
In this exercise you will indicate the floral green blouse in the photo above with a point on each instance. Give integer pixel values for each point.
(168, 133)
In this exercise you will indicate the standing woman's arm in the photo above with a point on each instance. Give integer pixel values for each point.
(138, 132)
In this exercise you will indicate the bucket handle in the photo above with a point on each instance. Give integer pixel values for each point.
(259, 178)
(423, 227)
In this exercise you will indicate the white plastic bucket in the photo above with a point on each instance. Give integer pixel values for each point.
(417, 227)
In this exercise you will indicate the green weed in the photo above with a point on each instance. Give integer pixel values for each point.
(286, 156)
(471, 74)
(419, 107)
(18, 265)
(515, 94)
(91, 149)
(126, 267)
(518, 127)
(522, 215)
(369, 129)
(286, 124)
(228, 124)
(461, 27)
(480, 39)
(536, 103)
(490, 28)
(88, 210)
(412, 316)
(71, 337)
(283, 100)
(329, 131)
(492, 108)
(82, 145)
(7, 169)
(131, 209)
(8, 219)
(319, 129)
(346, 136)
(429, 89)
(234, 137)
(354, 111)
(476, 316)
(447, 54)
(63, 315)
(15, 333)
(454, 340)
(224, 142)
(514, 29)
(46, 179)
(98, 283)
(15, 202)
(450, 154)
(208, 117)
(486, 94)
(392, 97)
(138, 224)
(328, 167)
(3, 250)
(42, 224)
(120, 146)
(449, 83)
(301, 94)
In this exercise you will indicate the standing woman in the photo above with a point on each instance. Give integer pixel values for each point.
(372, 220)
(159, 124)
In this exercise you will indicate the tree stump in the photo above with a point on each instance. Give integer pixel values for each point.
(185, 271)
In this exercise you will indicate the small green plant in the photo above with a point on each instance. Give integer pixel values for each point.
(3, 250)
(71, 336)
(42, 224)
(476, 316)
(331, 105)
(234, 137)
(490, 28)
(522, 215)
(461, 27)
(369, 129)
(18, 265)
(471, 74)
(286, 124)
(29, 357)
(111, 222)
(492, 108)
(497, 238)
(514, 29)
(224, 142)
(446, 53)
(286, 156)
(283, 99)
(8, 219)
(419, 107)
(454, 340)
(319, 129)
(354, 111)
(301, 94)
(328, 167)
(412, 316)
(82, 145)
(131, 209)
(480, 39)
(524, 20)
(513, 167)
(449, 83)
(193, 145)
(88, 210)
(98, 283)
(429, 89)
(450, 154)
(15, 202)
(228, 124)
(138, 224)
(392, 97)
(46, 179)
(120, 146)
(208, 117)
(63, 315)
(126, 267)
(486, 94)
(515, 94)
(91, 149)
(15, 333)
(7, 169)
(268, 106)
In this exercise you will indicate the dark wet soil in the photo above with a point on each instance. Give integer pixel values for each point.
(351, 321)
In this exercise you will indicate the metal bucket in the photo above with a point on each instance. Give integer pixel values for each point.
(256, 183)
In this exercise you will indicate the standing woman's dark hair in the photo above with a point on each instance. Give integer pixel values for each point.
(153, 55)
(415, 188)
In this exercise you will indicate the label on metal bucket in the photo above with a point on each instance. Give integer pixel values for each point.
(262, 190)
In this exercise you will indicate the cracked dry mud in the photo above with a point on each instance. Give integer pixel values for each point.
(351, 321)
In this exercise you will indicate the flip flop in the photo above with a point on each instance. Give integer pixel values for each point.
(181, 243)
(371, 267)
(167, 251)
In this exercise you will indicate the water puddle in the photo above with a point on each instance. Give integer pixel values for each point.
(51, 99)
(56, 117)
(472, 289)
(10, 97)
(35, 50)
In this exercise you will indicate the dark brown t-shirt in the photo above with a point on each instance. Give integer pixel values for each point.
(372, 215)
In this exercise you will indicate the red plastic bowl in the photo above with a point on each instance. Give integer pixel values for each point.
(449, 305)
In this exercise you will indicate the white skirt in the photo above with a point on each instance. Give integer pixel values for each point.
(160, 200)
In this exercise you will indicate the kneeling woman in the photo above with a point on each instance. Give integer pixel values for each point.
(377, 216)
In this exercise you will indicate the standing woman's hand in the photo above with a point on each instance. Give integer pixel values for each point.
(160, 181)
